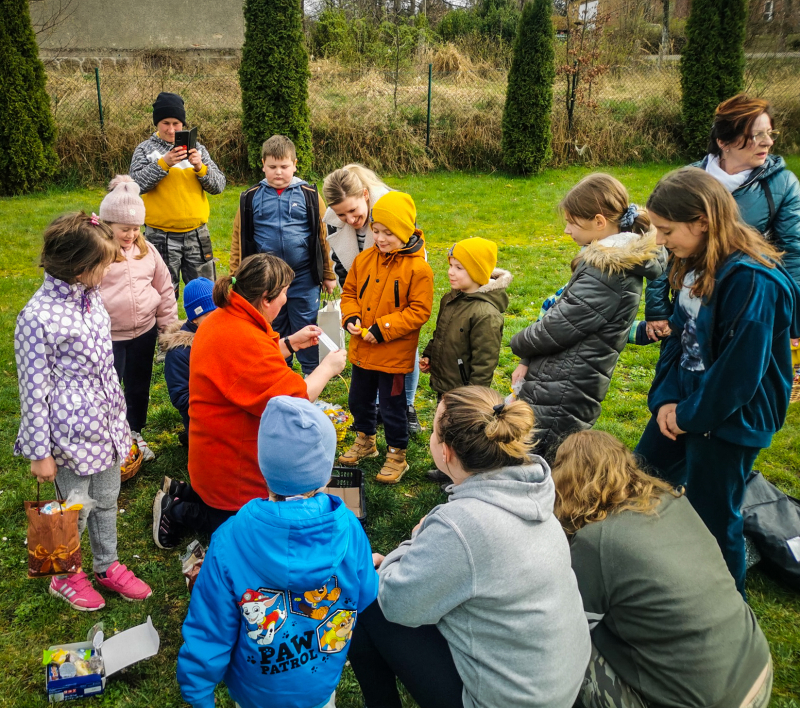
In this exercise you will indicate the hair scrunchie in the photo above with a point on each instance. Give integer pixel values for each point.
(629, 216)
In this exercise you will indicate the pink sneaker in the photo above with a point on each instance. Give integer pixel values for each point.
(120, 579)
(77, 590)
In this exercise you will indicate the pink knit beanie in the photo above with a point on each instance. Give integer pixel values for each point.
(122, 204)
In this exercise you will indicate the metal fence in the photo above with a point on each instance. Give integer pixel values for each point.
(413, 119)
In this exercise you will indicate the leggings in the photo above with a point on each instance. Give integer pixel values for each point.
(420, 657)
(133, 360)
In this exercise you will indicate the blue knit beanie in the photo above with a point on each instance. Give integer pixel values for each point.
(296, 446)
(197, 298)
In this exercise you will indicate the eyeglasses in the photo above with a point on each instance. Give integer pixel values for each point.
(764, 135)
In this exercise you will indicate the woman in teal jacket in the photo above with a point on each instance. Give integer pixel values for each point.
(766, 191)
(723, 380)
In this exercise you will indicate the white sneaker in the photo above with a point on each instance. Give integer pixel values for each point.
(147, 453)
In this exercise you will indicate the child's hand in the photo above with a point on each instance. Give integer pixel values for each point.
(518, 374)
(424, 365)
(377, 559)
(176, 155)
(369, 337)
(417, 527)
(668, 421)
(354, 328)
(656, 329)
(306, 337)
(329, 286)
(44, 470)
(195, 159)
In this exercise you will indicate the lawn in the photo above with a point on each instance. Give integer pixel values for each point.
(520, 215)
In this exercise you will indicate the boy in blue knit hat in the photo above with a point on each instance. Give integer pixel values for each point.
(283, 581)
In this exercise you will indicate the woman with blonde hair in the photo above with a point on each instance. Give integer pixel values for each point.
(668, 625)
(724, 377)
(350, 193)
(480, 607)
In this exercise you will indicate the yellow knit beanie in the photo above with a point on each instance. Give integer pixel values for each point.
(396, 211)
(478, 256)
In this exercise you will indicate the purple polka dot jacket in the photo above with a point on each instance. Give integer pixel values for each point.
(71, 402)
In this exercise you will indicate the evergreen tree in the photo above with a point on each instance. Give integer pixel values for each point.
(529, 99)
(274, 78)
(27, 131)
(712, 65)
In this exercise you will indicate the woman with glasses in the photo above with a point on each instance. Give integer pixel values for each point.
(766, 192)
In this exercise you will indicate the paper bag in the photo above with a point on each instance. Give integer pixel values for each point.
(54, 545)
(329, 320)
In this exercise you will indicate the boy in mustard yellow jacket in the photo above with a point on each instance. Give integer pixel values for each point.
(174, 182)
(387, 297)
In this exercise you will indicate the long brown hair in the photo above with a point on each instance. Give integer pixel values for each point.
(596, 476)
(686, 195)
(261, 275)
(483, 432)
(77, 243)
(599, 193)
(733, 121)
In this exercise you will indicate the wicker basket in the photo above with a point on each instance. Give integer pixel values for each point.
(132, 464)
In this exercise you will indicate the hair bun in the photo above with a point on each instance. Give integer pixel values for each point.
(125, 180)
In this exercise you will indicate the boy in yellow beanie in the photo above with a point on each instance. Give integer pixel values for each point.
(465, 346)
(387, 297)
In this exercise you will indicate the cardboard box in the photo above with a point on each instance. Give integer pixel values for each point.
(118, 652)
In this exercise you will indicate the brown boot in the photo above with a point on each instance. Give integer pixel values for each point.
(364, 446)
(394, 467)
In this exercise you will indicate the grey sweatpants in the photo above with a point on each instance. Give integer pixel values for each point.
(103, 487)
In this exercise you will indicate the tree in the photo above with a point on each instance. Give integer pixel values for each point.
(274, 78)
(529, 100)
(27, 131)
(712, 65)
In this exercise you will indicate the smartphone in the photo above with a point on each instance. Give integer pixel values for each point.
(186, 138)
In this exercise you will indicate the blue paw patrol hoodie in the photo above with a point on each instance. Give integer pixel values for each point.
(275, 604)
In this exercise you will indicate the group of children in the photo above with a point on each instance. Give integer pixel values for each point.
(108, 295)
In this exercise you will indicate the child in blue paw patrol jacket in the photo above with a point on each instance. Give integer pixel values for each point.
(283, 581)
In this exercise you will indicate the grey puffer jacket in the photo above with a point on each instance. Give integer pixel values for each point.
(572, 350)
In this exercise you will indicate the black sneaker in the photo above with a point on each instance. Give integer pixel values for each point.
(173, 487)
(414, 428)
(166, 532)
(438, 476)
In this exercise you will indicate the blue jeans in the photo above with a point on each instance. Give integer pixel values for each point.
(300, 310)
(714, 473)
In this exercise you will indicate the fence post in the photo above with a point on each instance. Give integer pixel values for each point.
(428, 128)
(99, 98)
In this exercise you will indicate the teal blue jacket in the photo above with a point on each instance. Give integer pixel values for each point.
(780, 224)
(743, 332)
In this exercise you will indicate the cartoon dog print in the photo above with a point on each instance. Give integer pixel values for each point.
(310, 603)
(263, 615)
(335, 633)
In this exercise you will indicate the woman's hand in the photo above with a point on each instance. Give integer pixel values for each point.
(329, 286)
(657, 329)
(195, 159)
(377, 559)
(424, 365)
(518, 374)
(668, 422)
(334, 362)
(44, 470)
(176, 155)
(305, 338)
(354, 328)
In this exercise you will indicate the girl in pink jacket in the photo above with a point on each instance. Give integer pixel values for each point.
(137, 292)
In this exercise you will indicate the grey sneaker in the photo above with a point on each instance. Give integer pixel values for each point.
(414, 428)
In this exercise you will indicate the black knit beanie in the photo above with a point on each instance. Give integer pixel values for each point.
(168, 105)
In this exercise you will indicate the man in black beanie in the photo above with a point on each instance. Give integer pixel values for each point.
(173, 183)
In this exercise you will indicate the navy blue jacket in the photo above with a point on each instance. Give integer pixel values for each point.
(743, 332)
(177, 343)
(780, 224)
(275, 604)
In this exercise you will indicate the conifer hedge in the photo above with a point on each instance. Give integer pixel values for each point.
(274, 78)
(526, 141)
(27, 131)
(712, 65)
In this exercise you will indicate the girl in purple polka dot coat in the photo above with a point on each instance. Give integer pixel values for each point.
(72, 412)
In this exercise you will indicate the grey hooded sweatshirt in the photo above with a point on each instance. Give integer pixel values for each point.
(491, 569)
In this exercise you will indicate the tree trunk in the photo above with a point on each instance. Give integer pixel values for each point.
(664, 48)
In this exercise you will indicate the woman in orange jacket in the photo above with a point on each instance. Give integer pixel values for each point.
(386, 299)
(237, 365)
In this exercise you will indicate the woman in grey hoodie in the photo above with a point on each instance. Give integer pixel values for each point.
(480, 607)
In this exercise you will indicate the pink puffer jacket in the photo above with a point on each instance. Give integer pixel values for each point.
(138, 294)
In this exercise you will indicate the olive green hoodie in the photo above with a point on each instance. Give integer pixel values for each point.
(465, 346)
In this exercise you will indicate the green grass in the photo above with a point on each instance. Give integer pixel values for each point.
(520, 215)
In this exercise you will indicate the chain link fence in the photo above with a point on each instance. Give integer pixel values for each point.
(414, 119)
